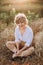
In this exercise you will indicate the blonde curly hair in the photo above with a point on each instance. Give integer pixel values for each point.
(21, 18)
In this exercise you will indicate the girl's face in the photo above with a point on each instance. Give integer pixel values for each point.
(22, 24)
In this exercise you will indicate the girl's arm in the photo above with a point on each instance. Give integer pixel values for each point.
(17, 45)
(17, 41)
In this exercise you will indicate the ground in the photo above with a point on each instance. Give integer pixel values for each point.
(6, 57)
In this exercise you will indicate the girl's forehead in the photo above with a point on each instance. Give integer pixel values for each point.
(21, 19)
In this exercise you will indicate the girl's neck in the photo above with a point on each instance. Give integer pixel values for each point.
(22, 30)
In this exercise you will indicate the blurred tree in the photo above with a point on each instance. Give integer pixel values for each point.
(32, 15)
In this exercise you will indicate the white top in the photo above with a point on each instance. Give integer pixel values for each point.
(26, 37)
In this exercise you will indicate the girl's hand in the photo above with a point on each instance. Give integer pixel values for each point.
(19, 52)
(15, 54)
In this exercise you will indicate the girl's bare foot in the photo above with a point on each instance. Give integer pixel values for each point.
(15, 50)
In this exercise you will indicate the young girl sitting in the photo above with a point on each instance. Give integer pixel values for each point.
(23, 37)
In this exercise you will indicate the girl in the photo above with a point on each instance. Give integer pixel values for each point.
(23, 37)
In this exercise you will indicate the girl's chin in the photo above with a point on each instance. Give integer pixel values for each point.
(20, 26)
